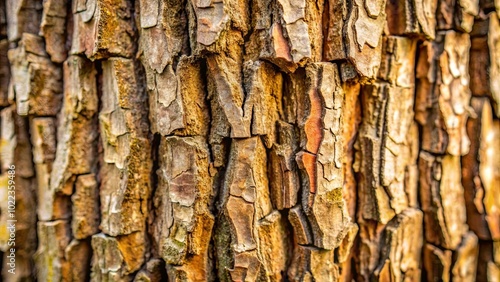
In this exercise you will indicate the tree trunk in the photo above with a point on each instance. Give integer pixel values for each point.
(263, 140)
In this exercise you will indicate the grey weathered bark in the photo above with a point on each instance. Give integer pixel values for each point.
(263, 140)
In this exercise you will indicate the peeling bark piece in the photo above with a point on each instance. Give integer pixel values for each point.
(51, 204)
(53, 239)
(257, 244)
(437, 263)
(311, 264)
(177, 102)
(384, 155)
(481, 172)
(262, 105)
(155, 48)
(334, 17)
(307, 164)
(85, 217)
(104, 29)
(298, 220)
(114, 259)
(211, 20)
(402, 247)
(457, 14)
(465, 12)
(287, 33)
(77, 139)
(267, 40)
(53, 29)
(323, 99)
(311, 112)
(149, 12)
(23, 17)
(314, 14)
(217, 23)
(444, 15)
(283, 177)
(294, 18)
(163, 35)
(398, 61)
(443, 95)
(246, 267)
(37, 82)
(183, 224)
(227, 97)
(246, 176)
(323, 267)
(280, 53)
(241, 215)
(165, 103)
(217, 18)
(163, 41)
(125, 185)
(363, 42)
(320, 162)
(418, 17)
(196, 118)
(107, 261)
(442, 200)
(133, 249)
(465, 259)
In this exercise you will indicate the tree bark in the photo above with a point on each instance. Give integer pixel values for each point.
(263, 140)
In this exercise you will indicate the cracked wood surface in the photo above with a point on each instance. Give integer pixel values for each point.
(264, 140)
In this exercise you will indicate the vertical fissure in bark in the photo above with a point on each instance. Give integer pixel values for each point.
(261, 140)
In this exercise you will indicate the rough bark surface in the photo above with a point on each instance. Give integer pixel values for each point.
(263, 140)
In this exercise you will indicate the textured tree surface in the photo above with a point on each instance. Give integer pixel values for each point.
(261, 140)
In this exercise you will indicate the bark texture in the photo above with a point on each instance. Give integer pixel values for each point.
(262, 140)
